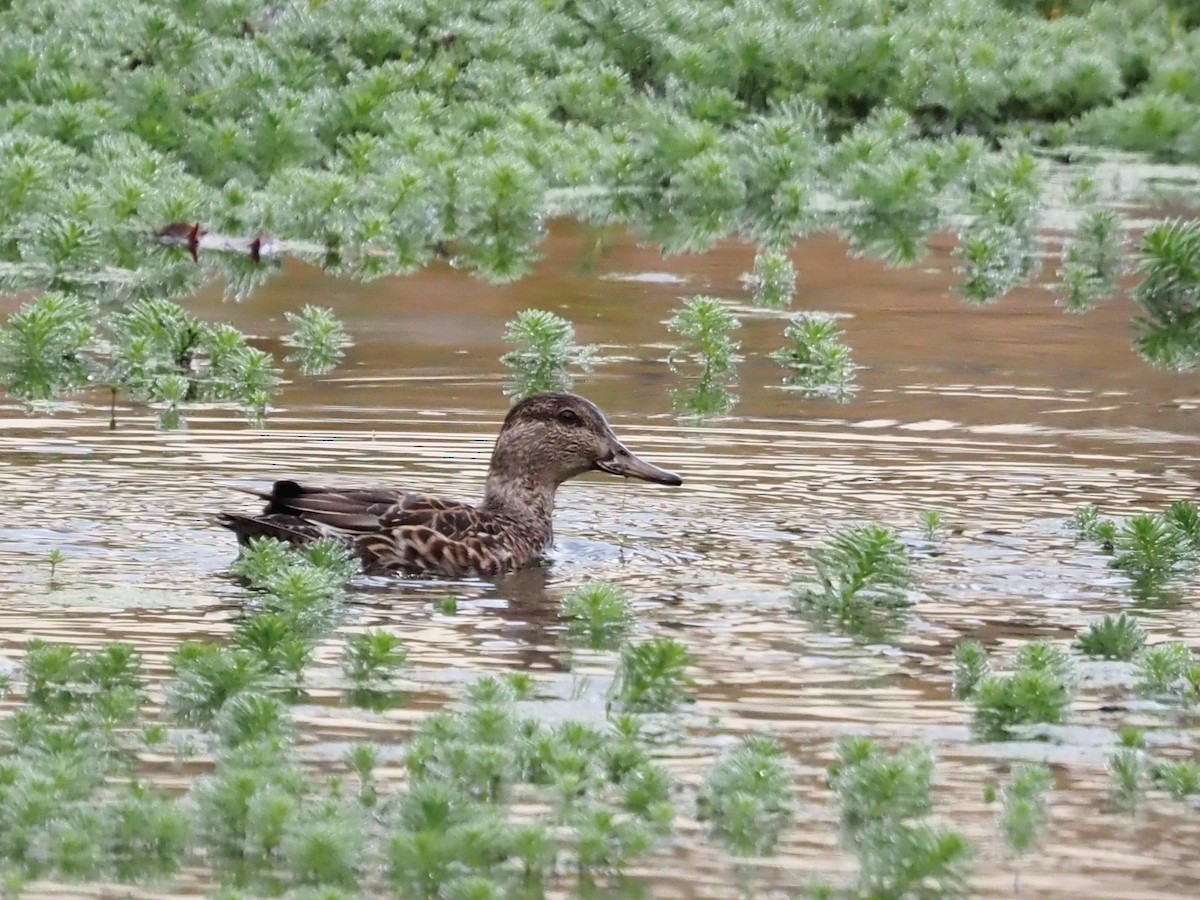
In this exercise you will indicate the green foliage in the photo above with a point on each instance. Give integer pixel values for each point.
(1037, 691)
(1127, 767)
(43, 349)
(652, 676)
(545, 348)
(373, 656)
(1093, 259)
(707, 357)
(1150, 549)
(319, 339)
(970, 667)
(933, 525)
(746, 797)
(883, 799)
(1168, 292)
(858, 572)
(598, 614)
(1087, 523)
(1113, 637)
(1180, 779)
(819, 362)
(772, 281)
(1023, 813)
(1170, 673)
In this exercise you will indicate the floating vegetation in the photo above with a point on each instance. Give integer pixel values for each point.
(373, 656)
(55, 558)
(1169, 263)
(746, 797)
(1113, 637)
(1169, 673)
(933, 526)
(652, 676)
(597, 614)
(1093, 259)
(858, 574)
(545, 350)
(772, 281)
(1037, 691)
(818, 360)
(884, 799)
(1023, 813)
(971, 666)
(1127, 768)
(1180, 779)
(1088, 524)
(707, 358)
(1150, 548)
(319, 339)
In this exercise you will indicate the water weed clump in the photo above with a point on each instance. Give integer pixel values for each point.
(1180, 779)
(1094, 259)
(746, 797)
(858, 573)
(1023, 811)
(1169, 266)
(652, 676)
(319, 339)
(707, 357)
(1169, 673)
(933, 526)
(1113, 637)
(772, 281)
(1127, 768)
(597, 614)
(884, 799)
(545, 350)
(1150, 548)
(1038, 690)
(971, 666)
(1088, 524)
(818, 360)
(373, 656)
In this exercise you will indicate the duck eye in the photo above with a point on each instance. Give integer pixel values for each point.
(569, 417)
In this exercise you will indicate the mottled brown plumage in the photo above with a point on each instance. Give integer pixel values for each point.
(546, 439)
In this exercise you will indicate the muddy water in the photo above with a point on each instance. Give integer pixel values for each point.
(1005, 419)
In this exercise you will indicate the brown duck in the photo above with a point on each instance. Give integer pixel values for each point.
(546, 439)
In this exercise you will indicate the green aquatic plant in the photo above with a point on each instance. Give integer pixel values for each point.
(597, 614)
(1037, 691)
(1184, 515)
(706, 359)
(373, 656)
(1113, 637)
(208, 676)
(933, 525)
(819, 362)
(1169, 266)
(447, 606)
(1127, 768)
(652, 676)
(772, 281)
(55, 558)
(545, 350)
(319, 339)
(1092, 261)
(971, 666)
(1150, 549)
(1180, 779)
(1087, 523)
(857, 570)
(746, 797)
(1168, 672)
(884, 798)
(1023, 813)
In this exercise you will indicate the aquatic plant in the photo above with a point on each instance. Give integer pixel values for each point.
(652, 676)
(772, 281)
(1113, 637)
(817, 358)
(746, 797)
(971, 666)
(1088, 524)
(1180, 779)
(1168, 672)
(598, 614)
(319, 339)
(545, 349)
(856, 571)
(373, 656)
(1023, 815)
(1127, 767)
(883, 798)
(707, 357)
(447, 606)
(1150, 548)
(933, 525)
(1094, 258)
(1037, 691)
(1169, 266)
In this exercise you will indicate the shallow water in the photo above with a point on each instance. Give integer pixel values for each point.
(1005, 419)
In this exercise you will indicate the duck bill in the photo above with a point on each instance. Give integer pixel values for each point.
(624, 463)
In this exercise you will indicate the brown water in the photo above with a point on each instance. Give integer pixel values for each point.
(1005, 419)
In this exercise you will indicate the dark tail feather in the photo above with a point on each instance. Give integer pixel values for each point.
(284, 528)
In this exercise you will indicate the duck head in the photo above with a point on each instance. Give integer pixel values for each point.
(549, 438)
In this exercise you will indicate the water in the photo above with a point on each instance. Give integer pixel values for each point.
(1005, 419)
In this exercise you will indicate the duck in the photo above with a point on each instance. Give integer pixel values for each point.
(545, 440)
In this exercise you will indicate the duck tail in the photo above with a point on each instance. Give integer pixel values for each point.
(291, 529)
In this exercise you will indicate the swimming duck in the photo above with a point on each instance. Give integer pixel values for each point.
(545, 440)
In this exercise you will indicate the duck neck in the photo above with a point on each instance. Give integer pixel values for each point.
(526, 502)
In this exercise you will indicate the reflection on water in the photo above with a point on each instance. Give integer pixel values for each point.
(1004, 419)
